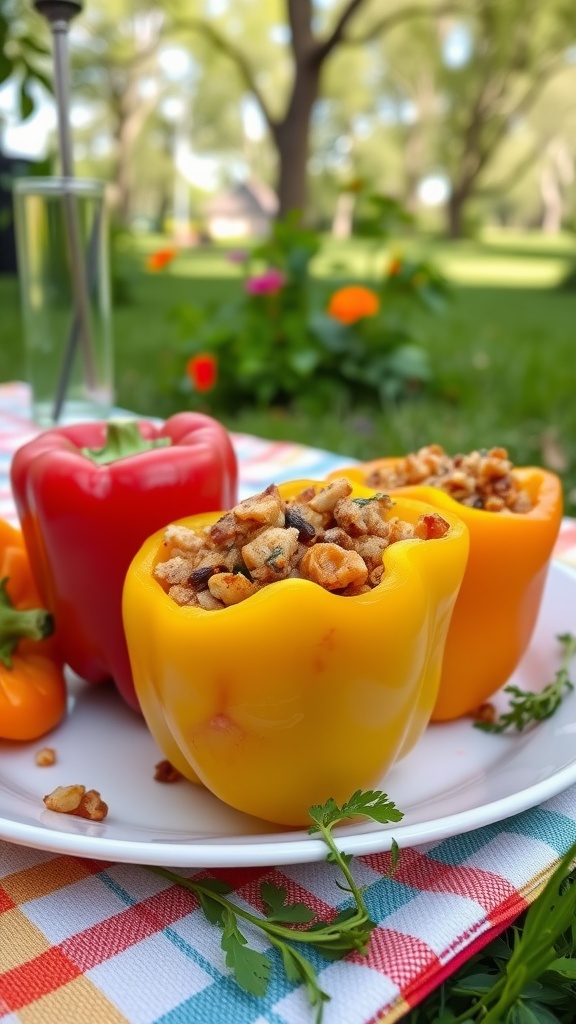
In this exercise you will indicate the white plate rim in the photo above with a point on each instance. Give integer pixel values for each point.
(296, 846)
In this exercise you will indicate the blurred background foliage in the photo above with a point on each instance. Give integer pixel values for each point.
(461, 110)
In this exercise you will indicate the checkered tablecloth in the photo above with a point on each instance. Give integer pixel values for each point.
(86, 941)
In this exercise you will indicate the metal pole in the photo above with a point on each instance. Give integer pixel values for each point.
(62, 90)
(59, 14)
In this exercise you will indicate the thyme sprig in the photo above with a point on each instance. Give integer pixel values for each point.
(527, 706)
(348, 931)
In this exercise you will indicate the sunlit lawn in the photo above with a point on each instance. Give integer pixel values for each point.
(504, 354)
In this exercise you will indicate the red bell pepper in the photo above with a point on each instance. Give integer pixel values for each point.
(88, 496)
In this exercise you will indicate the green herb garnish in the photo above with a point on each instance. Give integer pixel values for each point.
(527, 706)
(274, 554)
(501, 985)
(350, 930)
(373, 497)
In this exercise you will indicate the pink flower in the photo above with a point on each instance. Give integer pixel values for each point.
(238, 256)
(268, 283)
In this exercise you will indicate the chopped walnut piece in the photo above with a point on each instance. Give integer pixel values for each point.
(494, 503)
(485, 713)
(45, 757)
(183, 538)
(334, 568)
(326, 499)
(399, 530)
(175, 571)
(64, 799)
(265, 508)
(358, 518)
(268, 557)
(431, 526)
(77, 800)
(182, 595)
(92, 806)
(206, 600)
(230, 587)
(371, 550)
(166, 772)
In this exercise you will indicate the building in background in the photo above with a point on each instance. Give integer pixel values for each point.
(246, 210)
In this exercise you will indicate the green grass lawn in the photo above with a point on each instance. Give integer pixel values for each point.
(504, 354)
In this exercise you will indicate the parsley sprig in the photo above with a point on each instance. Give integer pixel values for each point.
(527, 706)
(285, 923)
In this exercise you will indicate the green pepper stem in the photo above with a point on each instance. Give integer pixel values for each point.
(15, 625)
(123, 438)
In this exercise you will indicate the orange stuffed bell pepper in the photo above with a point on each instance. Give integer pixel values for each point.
(510, 553)
(32, 685)
(295, 693)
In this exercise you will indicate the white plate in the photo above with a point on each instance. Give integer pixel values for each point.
(456, 779)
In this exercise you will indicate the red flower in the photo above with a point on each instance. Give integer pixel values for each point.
(202, 370)
(353, 303)
(158, 260)
(395, 266)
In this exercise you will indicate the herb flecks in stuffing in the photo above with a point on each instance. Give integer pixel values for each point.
(320, 535)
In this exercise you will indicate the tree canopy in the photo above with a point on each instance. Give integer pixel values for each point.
(390, 92)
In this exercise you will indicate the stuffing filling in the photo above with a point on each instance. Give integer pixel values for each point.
(483, 479)
(324, 536)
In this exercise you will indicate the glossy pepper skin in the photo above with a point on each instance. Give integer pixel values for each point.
(500, 596)
(296, 694)
(83, 522)
(32, 684)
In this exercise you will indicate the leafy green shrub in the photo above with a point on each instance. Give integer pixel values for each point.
(274, 345)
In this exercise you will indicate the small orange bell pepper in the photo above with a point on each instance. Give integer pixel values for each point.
(295, 694)
(32, 684)
(500, 596)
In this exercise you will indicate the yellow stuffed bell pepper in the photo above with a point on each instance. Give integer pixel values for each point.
(501, 593)
(296, 694)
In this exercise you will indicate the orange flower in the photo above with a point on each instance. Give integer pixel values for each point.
(395, 266)
(202, 370)
(158, 260)
(353, 303)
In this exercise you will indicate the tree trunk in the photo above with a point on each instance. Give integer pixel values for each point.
(132, 109)
(556, 177)
(292, 140)
(455, 213)
(123, 174)
(343, 220)
(415, 149)
(552, 202)
(132, 113)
